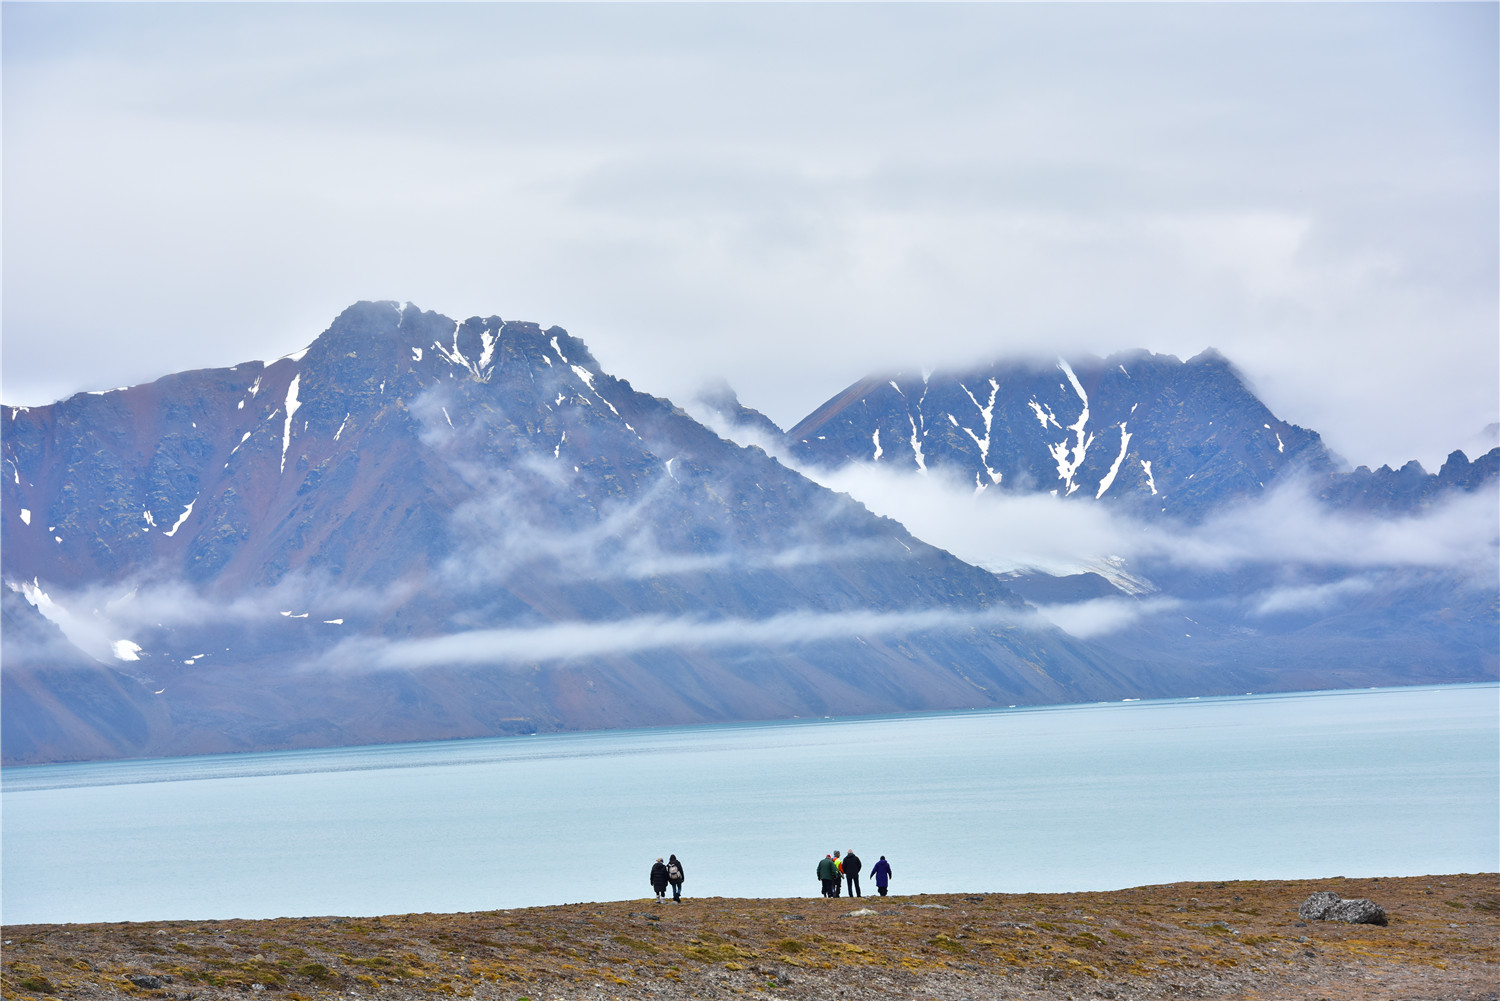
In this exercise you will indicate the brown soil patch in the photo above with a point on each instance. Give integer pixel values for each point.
(1184, 940)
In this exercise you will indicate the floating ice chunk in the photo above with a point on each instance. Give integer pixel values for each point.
(126, 650)
(183, 517)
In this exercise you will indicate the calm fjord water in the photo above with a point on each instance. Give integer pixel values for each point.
(1385, 782)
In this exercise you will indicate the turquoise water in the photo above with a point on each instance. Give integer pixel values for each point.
(1381, 782)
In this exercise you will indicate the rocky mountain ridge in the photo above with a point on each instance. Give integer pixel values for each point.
(421, 528)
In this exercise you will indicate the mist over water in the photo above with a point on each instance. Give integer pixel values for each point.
(1381, 782)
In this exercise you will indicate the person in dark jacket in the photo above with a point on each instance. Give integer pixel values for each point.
(838, 875)
(852, 865)
(675, 876)
(659, 880)
(828, 875)
(882, 873)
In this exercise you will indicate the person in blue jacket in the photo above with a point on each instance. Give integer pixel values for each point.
(882, 873)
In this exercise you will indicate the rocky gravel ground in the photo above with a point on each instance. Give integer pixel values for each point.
(1184, 940)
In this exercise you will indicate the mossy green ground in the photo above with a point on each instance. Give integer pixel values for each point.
(1231, 939)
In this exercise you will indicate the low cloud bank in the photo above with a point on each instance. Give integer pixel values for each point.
(570, 640)
(1287, 525)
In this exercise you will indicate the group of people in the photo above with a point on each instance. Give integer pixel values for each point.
(664, 874)
(834, 870)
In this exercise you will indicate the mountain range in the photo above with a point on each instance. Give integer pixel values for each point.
(420, 528)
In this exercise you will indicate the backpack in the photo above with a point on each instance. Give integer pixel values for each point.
(674, 873)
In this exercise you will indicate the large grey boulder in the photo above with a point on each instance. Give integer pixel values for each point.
(1326, 905)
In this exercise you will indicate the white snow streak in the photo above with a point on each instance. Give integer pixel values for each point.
(183, 517)
(1279, 446)
(1150, 480)
(916, 445)
(1068, 460)
(557, 451)
(1043, 413)
(987, 411)
(342, 424)
(446, 417)
(1109, 477)
(416, 354)
(150, 519)
(26, 515)
(291, 408)
(588, 380)
(878, 450)
(126, 650)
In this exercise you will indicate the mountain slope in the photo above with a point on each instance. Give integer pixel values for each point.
(1223, 538)
(421, 529)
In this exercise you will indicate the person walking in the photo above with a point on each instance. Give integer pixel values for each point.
(675, 876)
(882, 873)
(659, 880)
(827, 874)
(838, 874)
(852, 865)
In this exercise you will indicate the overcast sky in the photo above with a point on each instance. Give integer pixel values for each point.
(785, 196)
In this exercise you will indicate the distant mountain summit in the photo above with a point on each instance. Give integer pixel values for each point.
(1142, 431)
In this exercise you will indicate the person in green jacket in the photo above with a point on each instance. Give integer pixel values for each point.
(828, 873)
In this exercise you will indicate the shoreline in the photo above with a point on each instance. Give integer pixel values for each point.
(1209, 939)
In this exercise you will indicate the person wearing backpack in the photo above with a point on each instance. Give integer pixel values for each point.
(838, 874)
(674, 876)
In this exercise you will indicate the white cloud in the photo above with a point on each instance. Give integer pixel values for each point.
(1002, 531)
(577, 640)
(752, 192)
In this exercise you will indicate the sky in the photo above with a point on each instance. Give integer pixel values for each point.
(786, 196)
